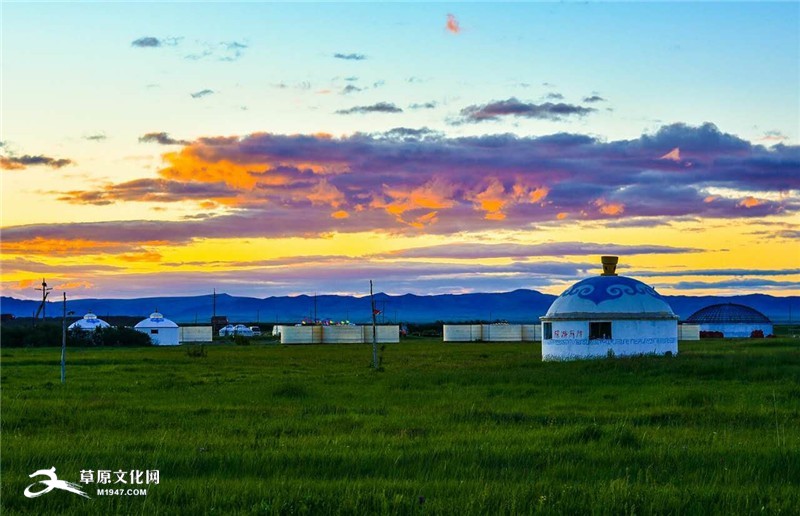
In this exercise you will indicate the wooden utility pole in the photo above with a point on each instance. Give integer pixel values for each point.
(43, 307)
(64, 342)
(374, 330)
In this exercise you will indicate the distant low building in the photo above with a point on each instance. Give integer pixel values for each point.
(90, 322)
(218, 322)
(731, 320)
(162, 331)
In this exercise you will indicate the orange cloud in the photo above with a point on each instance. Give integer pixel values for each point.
(750, 202)
(609, 208)
(710, 198)
(341, 214)
(673, 155)
(69, 247)
(197, 163)
(74, 285)
(452, 24)
(325, 193)
(146, 256)
(22, 285)
(186, 166)
(7, 164)
(538, 194)
(562, 215)
(424, 220)
(436, 194)
(492, 200)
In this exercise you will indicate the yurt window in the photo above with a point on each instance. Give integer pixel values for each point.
(599, 330)
(547, 330)
(153, 332)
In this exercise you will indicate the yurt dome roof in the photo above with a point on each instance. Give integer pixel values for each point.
(156, 320)
(609, 297)
(727, 313)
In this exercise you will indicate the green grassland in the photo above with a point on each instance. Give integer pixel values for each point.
(443, 429)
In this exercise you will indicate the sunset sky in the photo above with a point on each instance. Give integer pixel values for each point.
(269, 149)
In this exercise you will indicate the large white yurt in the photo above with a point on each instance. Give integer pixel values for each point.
(731, 320)
(90, 322)
(608, 314)
(163, 332)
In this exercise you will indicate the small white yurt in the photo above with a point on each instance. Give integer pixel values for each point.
(163, 332)
(608, 315)
(90, 322)
(235, 329)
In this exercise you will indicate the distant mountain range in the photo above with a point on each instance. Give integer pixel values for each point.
(516, 306)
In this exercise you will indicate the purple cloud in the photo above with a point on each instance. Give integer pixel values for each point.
(350, 57)
(23, 162)
(146, 42)
(201, 93)
(738, 285)
(479, 251)
(150, 190)
(593, 98)
(380, 107)
(162, 138)
(513, 107)
(719, 272)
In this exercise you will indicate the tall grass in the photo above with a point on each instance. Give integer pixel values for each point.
(472, 428)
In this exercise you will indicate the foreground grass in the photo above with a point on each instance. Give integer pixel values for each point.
(467, 428)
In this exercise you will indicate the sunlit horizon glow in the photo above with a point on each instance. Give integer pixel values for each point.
(432, 149)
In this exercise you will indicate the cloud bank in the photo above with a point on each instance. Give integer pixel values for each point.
(419, 181)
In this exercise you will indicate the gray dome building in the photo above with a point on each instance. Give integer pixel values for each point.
(731, 319)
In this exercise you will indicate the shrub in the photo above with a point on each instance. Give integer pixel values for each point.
(757, 334)
(291, 390)
(196, 351)
(117, 337)
(43, 335)
(241, 340)
(30, 336)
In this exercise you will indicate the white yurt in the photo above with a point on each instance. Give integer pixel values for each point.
(90, 322)
(163, 332)
(235, 329)
(608, 314)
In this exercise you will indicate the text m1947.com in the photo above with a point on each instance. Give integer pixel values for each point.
(121, 492)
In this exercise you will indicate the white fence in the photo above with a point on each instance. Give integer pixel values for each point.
(492, 332)
(385, 334)
(688, 332)
(195, 334)
(532, 332)
(462, 332)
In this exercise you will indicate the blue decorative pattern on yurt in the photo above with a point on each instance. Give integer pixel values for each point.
(606, 288)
